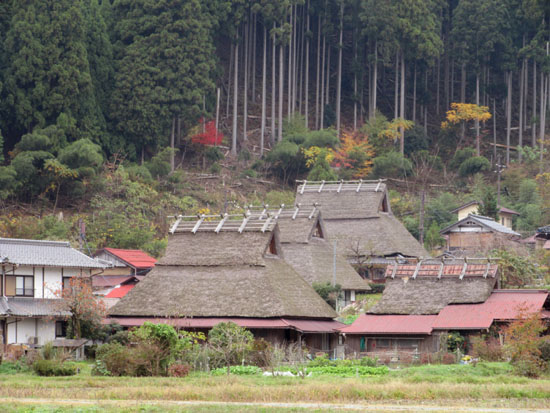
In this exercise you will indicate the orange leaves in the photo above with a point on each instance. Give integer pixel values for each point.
(464, 112)
(355, 153)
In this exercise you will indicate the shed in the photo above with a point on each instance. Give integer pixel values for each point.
(126, 261)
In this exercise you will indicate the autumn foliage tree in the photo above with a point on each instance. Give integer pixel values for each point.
(461, 113)
(77, 299)
(354, 155)
(210, 136)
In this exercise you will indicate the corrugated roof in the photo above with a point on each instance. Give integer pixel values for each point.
(501, 305)
(391, 324)
(135, 258)
(120, 292)
(45, 253)
(31, 307)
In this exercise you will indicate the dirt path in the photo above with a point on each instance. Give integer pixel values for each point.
(317, 406)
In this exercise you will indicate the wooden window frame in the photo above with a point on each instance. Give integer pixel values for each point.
(25, 290)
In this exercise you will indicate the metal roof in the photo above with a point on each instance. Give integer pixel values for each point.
(501, 305)
(391, 324)
(31, 307)
(45, 253)
(120, 292)
(488, 223)
(135, 258)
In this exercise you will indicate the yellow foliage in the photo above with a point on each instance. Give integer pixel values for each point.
(393, 131)
(464, 112)
(313, 152)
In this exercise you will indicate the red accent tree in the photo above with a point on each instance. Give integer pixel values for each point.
(210, 136)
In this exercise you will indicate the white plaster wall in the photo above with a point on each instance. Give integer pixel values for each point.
(23, 271)
(20, 334)
(46, 331)
(52, 282)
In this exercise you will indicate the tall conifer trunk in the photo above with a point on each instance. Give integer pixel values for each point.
(508, 115)
(402, 111)
(273, 83)
(246, 79)
(235, 100)
(264, 75)
(281, 89)
(306, 91)
(339, 85)
(318, 78)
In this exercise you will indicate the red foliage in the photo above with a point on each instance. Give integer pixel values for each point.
(179, 370)
(210, 136)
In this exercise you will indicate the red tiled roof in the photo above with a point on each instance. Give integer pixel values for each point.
(135, 258)
(305, 326)
(109, 280)
(120, 292)
(432, 270)
(501, 305)
(391, 324)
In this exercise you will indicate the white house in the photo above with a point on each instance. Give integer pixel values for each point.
(31, 274)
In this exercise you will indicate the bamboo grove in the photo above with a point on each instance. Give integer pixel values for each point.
(135, 76)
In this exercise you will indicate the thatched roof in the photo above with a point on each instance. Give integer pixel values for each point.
(343, 199)
(304, 247)
(272, 290)
(358, 215)
(380, 236)
(428, 289)
(228, 273)
(211, 249)
(314, 262)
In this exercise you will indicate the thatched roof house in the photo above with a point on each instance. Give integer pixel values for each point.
(424, 301)
(304, 246)
(229, 267)
(357, 214)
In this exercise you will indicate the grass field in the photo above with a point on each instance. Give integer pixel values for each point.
(487, 384)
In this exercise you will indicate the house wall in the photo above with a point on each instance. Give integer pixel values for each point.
(47, 280)
(19, 331)
(471, 209)
(395, 344)
(103, 255)
(506, 220)
(471, 240)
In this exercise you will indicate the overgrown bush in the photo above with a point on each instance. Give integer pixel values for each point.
(117, 359)
(54, 368)
(178, 370)
(328, 292)
(473, 166)
(523, 343)
(229, 344)
(544, 348)
(487, 348)
(376, 288)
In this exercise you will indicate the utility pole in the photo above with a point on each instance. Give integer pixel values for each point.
(500, 167)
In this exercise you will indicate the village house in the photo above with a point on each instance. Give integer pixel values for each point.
(33, 274)
(230, 268)
(422, 303)
(476, 234)
(128, 267)
(304, 246)
(358, 217)
(505, 215)
(126, 262)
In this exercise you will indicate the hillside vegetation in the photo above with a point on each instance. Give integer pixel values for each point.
(118, 114)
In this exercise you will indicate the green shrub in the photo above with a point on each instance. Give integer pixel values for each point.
(376, 288)
(348, 371)
(119, 360)
(391, 165)
(213, 153)
(544, 348)
(460, 156)
(474, 165)
(215, 168)
(250, 173)
(54, 368)
(9, 367)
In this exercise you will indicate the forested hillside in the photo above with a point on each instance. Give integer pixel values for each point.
(110, 109)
